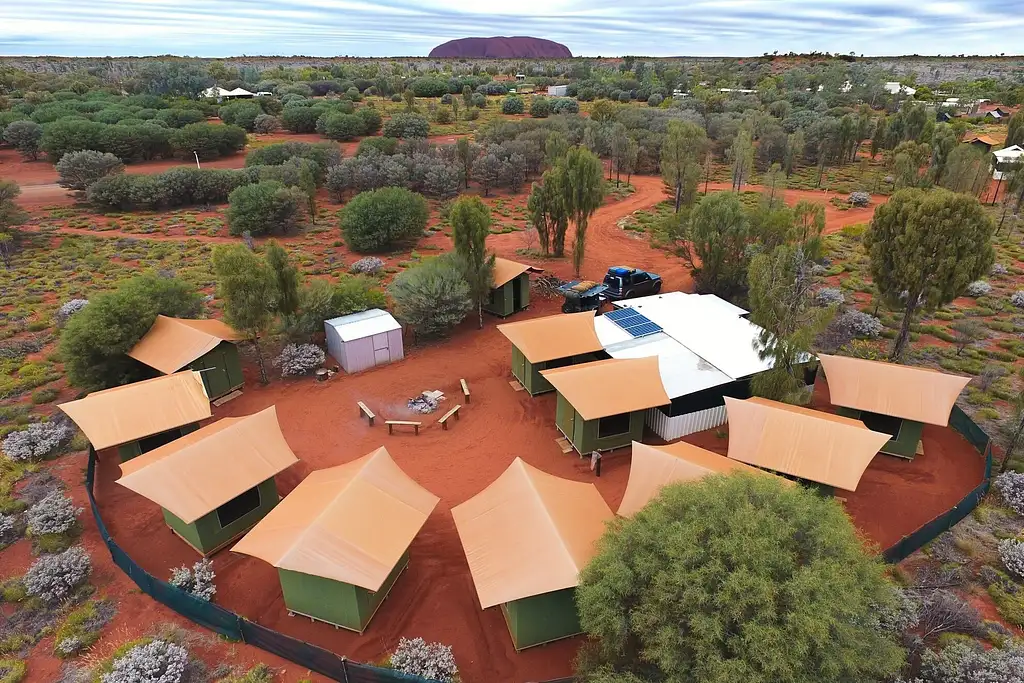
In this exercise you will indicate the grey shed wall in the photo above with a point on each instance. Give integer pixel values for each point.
(362, 354)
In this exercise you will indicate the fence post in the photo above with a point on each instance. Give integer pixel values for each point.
(344, 669)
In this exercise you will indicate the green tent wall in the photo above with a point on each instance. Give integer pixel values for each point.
(511, 297)
(585, 435)
(134, 449)
(904, 444)
(529, 375)
(221, 370)
(542, 618)
(207, 535)
(335, 602)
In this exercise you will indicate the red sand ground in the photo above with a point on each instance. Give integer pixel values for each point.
(435, 598)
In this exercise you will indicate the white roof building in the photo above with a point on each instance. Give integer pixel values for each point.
(895, 88)
(364, 340)
(1004, 158)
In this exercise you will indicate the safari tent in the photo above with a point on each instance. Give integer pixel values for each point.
(206, 346)
(341, 538)
(140, 417)
(602, 405)
(217, 482)
(811, 445)
(511, 291)
(553, 341)
(896, 399)
(651, 468)
(526, 538)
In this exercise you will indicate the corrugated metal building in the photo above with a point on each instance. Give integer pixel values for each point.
(364, 340)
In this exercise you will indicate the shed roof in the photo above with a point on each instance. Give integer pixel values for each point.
(194, 475)
(173, 343)
(1009, 153)
(364, 324)
(919, 394)
(349, 523)
(529, 533)
(610, 387)
(553, 336)
(804, 443)
(505, 271)
(653, 467)
(134, 411)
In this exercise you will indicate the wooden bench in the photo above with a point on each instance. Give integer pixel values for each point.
(408, 423)
(444, 418)
(465, 389)
(363, 410)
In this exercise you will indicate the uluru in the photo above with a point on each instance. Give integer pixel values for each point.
(502, 47)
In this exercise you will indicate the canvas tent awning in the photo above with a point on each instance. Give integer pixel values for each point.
(194, 475)
(610, 387)
(529, 533)
(134, 411)
(173, 343)
(349, 523)
(653, 467)
(554, 336)
(919, 394)
(809, 444)
(505, 271)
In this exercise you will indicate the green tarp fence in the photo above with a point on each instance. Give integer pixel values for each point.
(233, 626)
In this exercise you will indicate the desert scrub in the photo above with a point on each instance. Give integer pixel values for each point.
(1010, 486)
(82, 627)
(37, 440)
(429, 660)
(156, 661)
(68, 309)
(54, 514)
(368, 265)
(300, 359)
(11, 670)
(1017, 298)
(978, 288)
(197, 579)
(52, 578)
(828, 296)
(261, 673)
(1011, 553)
(10, 473)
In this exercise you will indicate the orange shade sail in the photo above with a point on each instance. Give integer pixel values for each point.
(610, 387)
(554, 336)
(134, 411)
(804, 443)
(194, 475)
(349, 523)
(918, 394)
(529, 533)
(505, 271)
(173, 343)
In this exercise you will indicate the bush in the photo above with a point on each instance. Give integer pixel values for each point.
(52, 578)
(1011, 552)
(23, 136)
(427, 660)
(963, 662)
(998, 269)
(68, 309)
(372, 120)
(339, 126)
(208, 140)
(386, 146)
(154, 662)
(54, 514)
(379, 219)
(197, 579)
(1011, 487)
(432, 297)
(479, 100)
(242, 114)
(12, 670)
(655, 100)
(513, 104)
(540, 107)
(368, 265)
(265, 208)
(565, 105)
(859, 199)
(79, 170)
(320, 300)
(300, 359)
(1017, 298)
(265, 123)
(324, 154)
(38, 440)
(978, 288)
(407, 125)
(863, 325)
(828, 296)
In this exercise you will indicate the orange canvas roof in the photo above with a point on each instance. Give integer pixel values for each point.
(194, 475)
(919, 394)
(349, 523)
(554, 336)
(653, 467)
(173, 343)
(529, 533)
(134, 411)
(801, 442)
(610, 387)
(505, 271)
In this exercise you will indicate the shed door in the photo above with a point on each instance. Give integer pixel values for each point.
(381, 351)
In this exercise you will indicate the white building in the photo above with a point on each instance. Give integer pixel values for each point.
(364, 340)
(895, 88)
(558, 90)
(221, 94)
(1004, 159)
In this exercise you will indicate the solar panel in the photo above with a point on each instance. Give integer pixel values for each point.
(633, 322)
(621, 315)
(643, 329)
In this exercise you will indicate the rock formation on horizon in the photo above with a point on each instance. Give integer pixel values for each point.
(502, 47)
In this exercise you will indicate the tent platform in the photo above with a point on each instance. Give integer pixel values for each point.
(227, 397)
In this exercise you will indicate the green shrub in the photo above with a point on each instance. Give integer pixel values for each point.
(513, 104)
(242, 114)
(407, 125)
(379, 219)
(381, 144)
(432, 297)
(342, 126)
(208, 140)
(372, 120)
(11, 670)
(264, 208)
(45, 395)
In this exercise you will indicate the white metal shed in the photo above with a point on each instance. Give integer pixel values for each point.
(364, 340)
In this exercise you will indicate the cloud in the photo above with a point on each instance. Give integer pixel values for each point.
(220, 28)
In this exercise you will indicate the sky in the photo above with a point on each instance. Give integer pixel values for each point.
(223, 28)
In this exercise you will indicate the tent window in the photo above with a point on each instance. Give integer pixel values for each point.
(882, 423)
(151, 443)
(558, 363)
(613, 425)
(238, 507)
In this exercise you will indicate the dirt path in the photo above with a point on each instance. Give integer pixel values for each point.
(835, 219)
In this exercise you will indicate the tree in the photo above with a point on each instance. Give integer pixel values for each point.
(264, 208)
(540, 107)
(379, 219)
(547, 213)
(10, 213)
(432, 297)
(774, 183)
(925, 247)
(286, 276)
(339, 126)
(967, 332)
(1014, 130)
(736, 578)
(471, 223)
(582, 191)
(603, 111)
(95, 341)
(407, 125)
(794, 148)
(967, 169)
(714, 245)
(681, 157)
(247, 286)
(78, 170)
(320, 300)
(487, 171)
(24, 136)
(742, 155)
(466, 152)
(943, 142)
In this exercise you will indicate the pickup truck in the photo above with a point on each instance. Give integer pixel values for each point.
(626, 283)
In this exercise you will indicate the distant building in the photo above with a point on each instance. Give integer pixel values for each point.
(744, 91)
(978, 140)
(895, 88)
(520, 77)
(220, 94)
(1005, 159)
(558, 90)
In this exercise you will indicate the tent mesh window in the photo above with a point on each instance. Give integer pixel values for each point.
(239, 506)
(613, 425)
(151, 443)
(882, 423)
